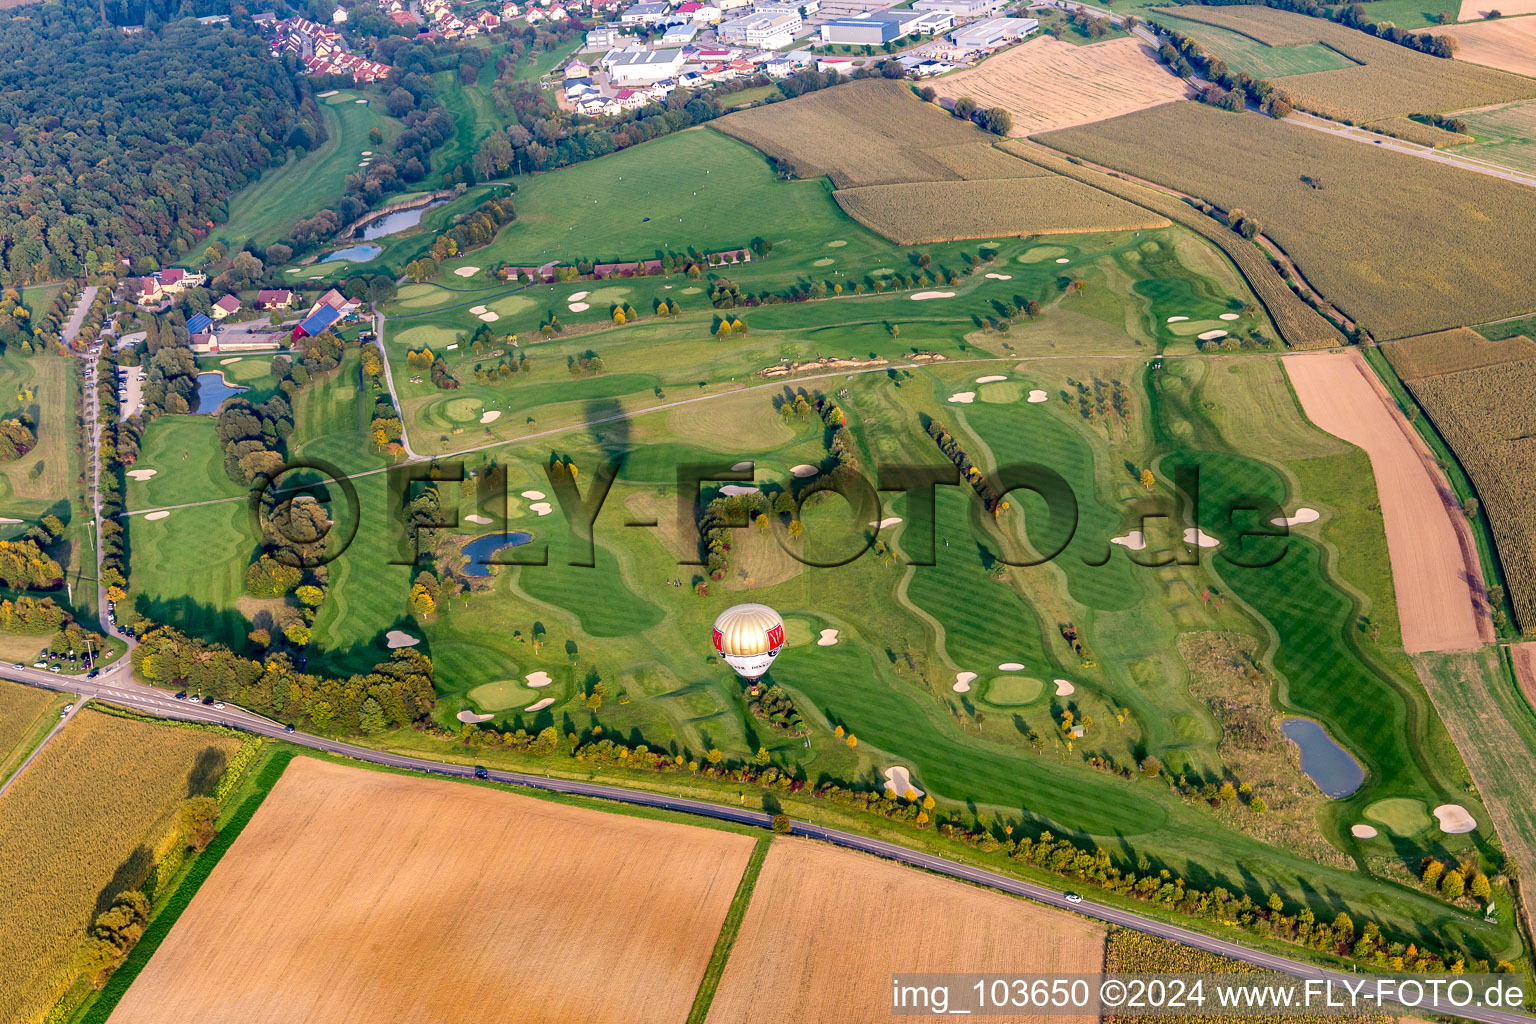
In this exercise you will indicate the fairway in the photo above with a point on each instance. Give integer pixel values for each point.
(457, 892)
(266, 210)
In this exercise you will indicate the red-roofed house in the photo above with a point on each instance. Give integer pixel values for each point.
(274, 298)
(224, 307)
(148, 290)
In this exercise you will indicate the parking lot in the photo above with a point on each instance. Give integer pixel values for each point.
(130, 391)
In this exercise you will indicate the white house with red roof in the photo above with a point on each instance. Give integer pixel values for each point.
(226, 306)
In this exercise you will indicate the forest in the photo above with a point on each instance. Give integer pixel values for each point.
(127, 146)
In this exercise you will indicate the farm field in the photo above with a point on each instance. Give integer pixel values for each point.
(1047, 83)
(1251, 56)
(1392, 80)
(1489, 434)
(948, 211)
(1508, 44)
(1350, 242)
(1440, 598)
(1475, 10)
(462, 886)
(24, 714)
(881, 918)
(1504, 135)
(78, 828)
(267, 209)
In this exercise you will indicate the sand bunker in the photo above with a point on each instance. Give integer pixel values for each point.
(141, 474)
(490, 318)
(538, 679)
(1011, 666)
(837, 243)
(1454, 819)
(534, 495)
(991, 378)
(1363, 832)
(473, 719)
(887, 521)
(490, 416)
(1177, 319)
(156, 515)
(359, 101)
(576, 296)
(478, 519)
(1064, 688)
(899, 781)
(963, 682)
(540, 508)
(1037, 396)
(803, 471)
(1063, 260)
(579, 307)
(964, 397)
(732, 490)
(231, 359)
(1303, 515)
(1211, 335)
(396, 639)
(1001, 277)
(540, 705)
(466, 271)
(477, 310)
(8, 521)
(742, 467)
(324, 95)
(1135, 540)
(827, 639)
(920, 296)
(1200, 537)
(1230, 316)
(825, 261)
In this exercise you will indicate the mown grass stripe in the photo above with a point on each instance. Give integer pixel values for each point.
(728, 932)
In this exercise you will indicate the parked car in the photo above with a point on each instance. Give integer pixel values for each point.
(182, 695)
(67, 709)
(218, 704)
(208, 701)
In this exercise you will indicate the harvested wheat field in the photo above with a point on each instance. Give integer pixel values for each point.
(1435, 570)
(357, 896)
(1508, 44)
(826, 928)
(1048, 84)
(1475, 10)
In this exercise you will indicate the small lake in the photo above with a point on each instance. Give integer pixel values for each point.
(1326, 763)
(211, 392)
(482, 549)
(354, 254)
(397, 221)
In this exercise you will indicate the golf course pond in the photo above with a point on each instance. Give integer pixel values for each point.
(482, 549)
(399, 220)
(353, 254)
(211, 392)
(1323, 761)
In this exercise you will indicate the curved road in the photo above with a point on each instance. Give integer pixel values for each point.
(117, 686)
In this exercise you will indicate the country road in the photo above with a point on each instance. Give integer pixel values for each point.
(116, 685)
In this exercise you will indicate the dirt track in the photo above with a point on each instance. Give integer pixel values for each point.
(1047, 84)
(357, 897)
(826, 928)
(1435, 570)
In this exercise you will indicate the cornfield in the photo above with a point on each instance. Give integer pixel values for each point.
(949, 210)
(1299, 324)
(1131, 952)
(77, 828)
(1430, 355)
(1403, 245)
(1390, 81)
(1409, 130)
(1485, 415)
(20, 707)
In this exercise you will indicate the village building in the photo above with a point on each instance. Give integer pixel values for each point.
(762, 31)
(274, 298)
(990, 33)
(226, 306)
(643, 67)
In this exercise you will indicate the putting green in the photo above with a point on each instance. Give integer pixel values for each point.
(825, 261)
(1012, 691)
(462, 410)
(1190, 328)
(426, 336)
(502, 694)
(421, 296)
(1041, 253)
(837, 243)
(1402, 815)
(511, 305)
(1001, 392)
(610, 294)
(692, 291)
(798, 632)
(250, 367)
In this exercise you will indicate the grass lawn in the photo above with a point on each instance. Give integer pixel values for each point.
(1260, 60)
(266, 210)
(1411, 13)
(188, 465)
(474, 115)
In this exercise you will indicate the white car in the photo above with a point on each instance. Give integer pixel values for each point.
(218, 704)
(1073, 897)
(67, 709)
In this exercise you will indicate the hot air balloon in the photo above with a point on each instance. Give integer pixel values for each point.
(749, 637)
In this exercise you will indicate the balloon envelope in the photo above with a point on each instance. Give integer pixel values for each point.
(749, 637)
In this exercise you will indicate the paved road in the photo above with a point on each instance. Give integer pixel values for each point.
(389, 381)
(77, 316)
(117, 685)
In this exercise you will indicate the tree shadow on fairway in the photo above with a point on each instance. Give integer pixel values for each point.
(220, 625)
(361, 657)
